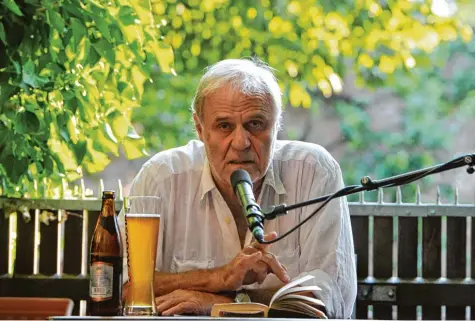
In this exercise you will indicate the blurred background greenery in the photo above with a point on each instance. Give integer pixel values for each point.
(87, 86)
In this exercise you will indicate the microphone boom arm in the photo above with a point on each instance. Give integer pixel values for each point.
(367, 184)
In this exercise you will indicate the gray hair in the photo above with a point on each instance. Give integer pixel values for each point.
(250, 76)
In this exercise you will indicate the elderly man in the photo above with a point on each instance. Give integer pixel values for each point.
(206, 252)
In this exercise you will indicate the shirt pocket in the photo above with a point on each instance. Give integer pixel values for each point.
(181, 265)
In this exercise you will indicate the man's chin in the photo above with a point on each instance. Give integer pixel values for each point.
(246, 166)
(251, 168)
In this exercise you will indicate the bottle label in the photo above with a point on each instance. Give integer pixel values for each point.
(100, 284)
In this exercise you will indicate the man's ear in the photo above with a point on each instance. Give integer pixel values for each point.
(198, 126)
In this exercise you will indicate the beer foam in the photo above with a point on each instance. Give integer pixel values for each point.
(143, 215)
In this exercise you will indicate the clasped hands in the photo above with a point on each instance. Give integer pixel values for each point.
(251, 265)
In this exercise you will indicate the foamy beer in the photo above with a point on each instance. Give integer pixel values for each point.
(142, 230)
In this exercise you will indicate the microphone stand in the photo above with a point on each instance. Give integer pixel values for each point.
(367, 184)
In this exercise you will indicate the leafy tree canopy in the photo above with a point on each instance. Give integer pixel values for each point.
(73, 73)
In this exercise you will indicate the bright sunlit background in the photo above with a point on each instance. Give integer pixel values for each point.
(94, 90)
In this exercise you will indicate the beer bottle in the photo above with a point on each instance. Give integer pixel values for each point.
(105, 264)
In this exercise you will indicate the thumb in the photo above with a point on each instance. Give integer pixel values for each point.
(270, 236)
(267, 237)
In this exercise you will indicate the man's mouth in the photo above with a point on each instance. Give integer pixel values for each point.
(238, 162)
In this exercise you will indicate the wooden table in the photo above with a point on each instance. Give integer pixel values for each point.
(191, 318)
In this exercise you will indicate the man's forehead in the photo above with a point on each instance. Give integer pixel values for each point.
(230, 93)
(227, 96)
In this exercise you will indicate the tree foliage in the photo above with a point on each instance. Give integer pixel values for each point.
(435, 107)
(75, 72)
(312, 45)
(72, 72)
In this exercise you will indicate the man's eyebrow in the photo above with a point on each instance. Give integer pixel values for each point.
(221, 118)
(258, 116)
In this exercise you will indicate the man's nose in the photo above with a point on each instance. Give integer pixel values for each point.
(241, 138)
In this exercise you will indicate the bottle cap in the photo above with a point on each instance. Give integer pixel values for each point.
(107, 194)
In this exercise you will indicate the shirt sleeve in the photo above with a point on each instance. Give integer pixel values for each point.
(327, 249)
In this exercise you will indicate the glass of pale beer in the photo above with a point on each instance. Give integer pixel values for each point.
(142, 230)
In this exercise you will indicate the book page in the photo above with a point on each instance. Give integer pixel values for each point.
(299, 307)
(290, 285)
(306, 288)
(297, 297)
(244, 309)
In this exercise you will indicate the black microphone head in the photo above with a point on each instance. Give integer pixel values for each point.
(240, 175)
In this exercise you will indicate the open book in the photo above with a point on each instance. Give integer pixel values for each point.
(287, 302)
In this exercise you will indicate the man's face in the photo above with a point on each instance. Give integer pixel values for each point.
(238, 132)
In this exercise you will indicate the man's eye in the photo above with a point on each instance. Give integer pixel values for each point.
(224, 126)
(255, 124)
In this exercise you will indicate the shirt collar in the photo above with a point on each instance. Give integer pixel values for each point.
(207, 183)
(271, 178)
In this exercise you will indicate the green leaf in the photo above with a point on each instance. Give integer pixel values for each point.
(73, 9)
(95, 161)
(64, 134)
(4, 136)
(56, 44)
(121, 86)
(101, 23)
(132, 134)
(134, 148)
(17, 67)
(48, 165)
(28, 74)
(31, 121)
(163, 54)
(104, 143)
(82, 50)
(110, 134)
(63, 154)
(79, 32)
(15, 167)
(80, 151)
(6, 91)
(105, 49)
(86, 111)
(119, 125)
(3, 36)
(127, 15)
(13, 7)
(55, 20)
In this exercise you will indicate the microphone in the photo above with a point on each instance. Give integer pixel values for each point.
(243, 188)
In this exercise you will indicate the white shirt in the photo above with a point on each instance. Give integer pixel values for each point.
(198, 230)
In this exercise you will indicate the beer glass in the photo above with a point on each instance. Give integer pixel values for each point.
(142, 219)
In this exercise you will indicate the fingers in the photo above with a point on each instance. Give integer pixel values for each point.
(235, 272)
(165, 302)
(267, 237)
(274, 265)
(254, 263)
(277, 268)
(180, 302)
(270, 236)
(180, 308)
(259, 271)
(248, 260)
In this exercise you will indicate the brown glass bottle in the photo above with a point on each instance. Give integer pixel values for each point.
(105, 264)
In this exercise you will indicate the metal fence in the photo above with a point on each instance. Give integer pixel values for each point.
(414, 260)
